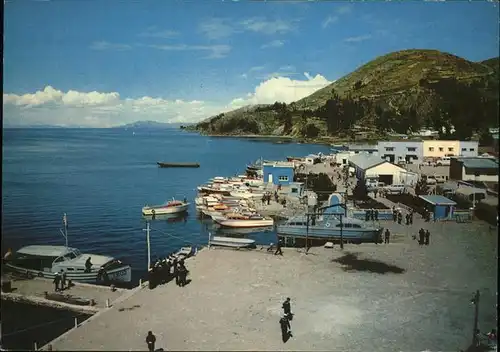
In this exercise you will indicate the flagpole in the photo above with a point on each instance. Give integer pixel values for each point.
(65, 220)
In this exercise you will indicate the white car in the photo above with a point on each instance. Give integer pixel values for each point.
(395, 189)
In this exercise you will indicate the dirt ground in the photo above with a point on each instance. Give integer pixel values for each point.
(394, 297)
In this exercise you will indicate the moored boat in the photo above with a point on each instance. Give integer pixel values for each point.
(170, 207)
(331, 227)
(243, 220)
(163, 164)
(233, 242)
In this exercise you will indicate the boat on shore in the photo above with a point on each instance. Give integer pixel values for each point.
(232, 242)
(170, 207)
(46, 260)
(164, 164)
(331, 227)
(243, 220)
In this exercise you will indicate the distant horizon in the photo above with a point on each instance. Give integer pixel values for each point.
(214, 58)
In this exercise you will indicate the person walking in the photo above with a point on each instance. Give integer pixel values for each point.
(427, 237)
(421, 235)
(278, 248)
(63, 280)
(287, 309)
(285, 329)
(387, 236)
(57, 280)
(88, 265)
(150, 341)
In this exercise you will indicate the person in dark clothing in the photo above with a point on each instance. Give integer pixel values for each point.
(375, 193)
(400, 217)
(57, 280)
(407, 218)
(313, 220)
(276, 196)
(150, 341)
(421, 235)
(394, 214)
(63, 280)
(376, 214)
(411, 217)
(263, 199)
(427, 237)
(367, 215)
(268, 199)
(88, 265)
(285, 329)
(176, 271)
(287, 309)
(278, 248)
(387, 236)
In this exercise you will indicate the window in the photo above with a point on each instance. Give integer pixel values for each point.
(471, 149)
(441, 149)
(411, 149)
(464, 149)
(450, 149)
(283, 178)
(431, 149)
(389, 149)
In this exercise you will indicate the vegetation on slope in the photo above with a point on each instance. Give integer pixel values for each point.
(398, 92)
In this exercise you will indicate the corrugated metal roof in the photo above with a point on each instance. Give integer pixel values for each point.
(366, 161)
(479, 163)
(438, 200)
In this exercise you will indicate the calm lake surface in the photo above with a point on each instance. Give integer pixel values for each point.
(103, 177)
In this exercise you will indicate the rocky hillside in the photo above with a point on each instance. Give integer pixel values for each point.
(399, 92)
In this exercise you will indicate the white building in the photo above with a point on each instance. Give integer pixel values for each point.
(370, 166)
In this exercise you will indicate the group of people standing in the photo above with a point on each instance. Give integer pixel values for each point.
(162, 271)
(371, 214)
(397, 216)
(424, 237)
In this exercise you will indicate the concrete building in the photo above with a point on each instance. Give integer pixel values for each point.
(440, 206)
(474, 169)
(370, 149)
(296, 189)
(439, 148)
(398, 151)
(370, 166)
(469, 148)
(278, 173)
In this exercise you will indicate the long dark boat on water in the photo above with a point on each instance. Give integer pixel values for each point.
(162, 164)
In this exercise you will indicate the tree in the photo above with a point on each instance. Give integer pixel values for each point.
(421, 187)
(360, 191)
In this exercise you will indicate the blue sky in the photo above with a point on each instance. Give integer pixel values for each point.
(183, 61)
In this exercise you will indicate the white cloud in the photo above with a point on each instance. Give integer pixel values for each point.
(216, 28)
(103, 45)
(107, 109)
(329, 20)
(273, 44)
(264, 26)
(283, 89)
(357, 39)
(153, 32)
(216, 51)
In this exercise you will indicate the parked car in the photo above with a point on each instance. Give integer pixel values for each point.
(395, 189)
(430, 180)
(444, 161)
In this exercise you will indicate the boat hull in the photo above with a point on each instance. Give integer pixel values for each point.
(120, 274)
(224, 222)
(232, 242)
(348, 234)
(163, 210)
(193, 165)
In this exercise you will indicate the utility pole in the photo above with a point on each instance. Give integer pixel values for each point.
(475, 302)
(149, 244)
(341, 233)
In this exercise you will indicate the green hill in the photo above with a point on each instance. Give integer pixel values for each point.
(399, 92)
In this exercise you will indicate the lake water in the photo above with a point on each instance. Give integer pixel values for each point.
(103, 177)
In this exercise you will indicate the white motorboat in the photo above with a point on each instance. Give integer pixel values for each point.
(232, 242)
(45, 261)
(171, 207)
(243, 220)
(246, 193)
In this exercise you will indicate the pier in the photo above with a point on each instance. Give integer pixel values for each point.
(344, 298)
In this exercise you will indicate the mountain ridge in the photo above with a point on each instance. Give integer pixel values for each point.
(397, 92)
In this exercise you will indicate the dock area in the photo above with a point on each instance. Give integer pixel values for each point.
(392, 297)
(35, 290)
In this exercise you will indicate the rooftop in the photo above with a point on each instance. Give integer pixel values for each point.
(437, 200)
(479, 163)
(366, 161)
(279, 164)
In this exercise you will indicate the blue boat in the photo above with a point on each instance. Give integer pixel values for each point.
(330, 227)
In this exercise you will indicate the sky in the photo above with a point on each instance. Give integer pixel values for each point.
(97, 63)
